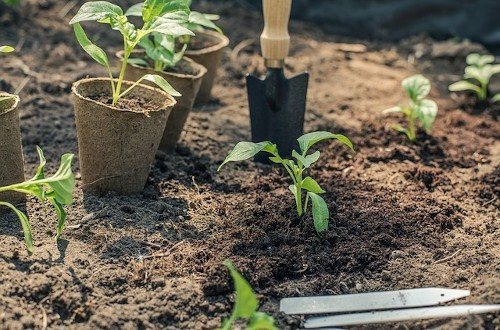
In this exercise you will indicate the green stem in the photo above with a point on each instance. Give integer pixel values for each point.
(126, 55)
(411, 127)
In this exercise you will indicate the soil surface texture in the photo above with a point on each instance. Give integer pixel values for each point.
(402, 215)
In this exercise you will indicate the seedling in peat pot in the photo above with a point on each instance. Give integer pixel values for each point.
(478, 73)
(159, 16)
(57, 190)
(161, 48)
(296, 168)
(246, 305)
(419, 108)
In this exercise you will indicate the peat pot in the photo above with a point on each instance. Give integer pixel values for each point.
(11, 150)
(207, 48)
(117, 145)
(186, 78)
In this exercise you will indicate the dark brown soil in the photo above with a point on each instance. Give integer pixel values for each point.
(183, 67)
(127, 103)
(202, 41)
(402, 215)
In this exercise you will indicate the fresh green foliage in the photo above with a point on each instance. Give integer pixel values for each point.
(296, 168)
(161, 48)
(246, 305)
(57, 190)
(159, 16)
(12, 2)
(478, 73)
(424, 110)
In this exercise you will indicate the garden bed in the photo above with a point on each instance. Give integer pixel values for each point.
(403, 215)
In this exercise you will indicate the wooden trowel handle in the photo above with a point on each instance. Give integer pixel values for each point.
(275, 40)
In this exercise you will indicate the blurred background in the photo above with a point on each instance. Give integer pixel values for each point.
(391, 20)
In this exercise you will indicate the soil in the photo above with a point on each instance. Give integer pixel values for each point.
(402, 215)
(183, 67)
(202, 41)
(127, 103)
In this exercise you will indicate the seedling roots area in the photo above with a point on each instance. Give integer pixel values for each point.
(403, 215)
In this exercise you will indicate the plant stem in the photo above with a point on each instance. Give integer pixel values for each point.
(126, 55)
(411, 127)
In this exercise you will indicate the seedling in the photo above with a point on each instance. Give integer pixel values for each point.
(12, 2)
(419, 108)
(246, 305)
(296, 168)
(6, 49)
(161, 48)
(159, 16)
(478, 73)
(57, 190)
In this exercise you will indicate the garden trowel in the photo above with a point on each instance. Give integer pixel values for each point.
(277, 104)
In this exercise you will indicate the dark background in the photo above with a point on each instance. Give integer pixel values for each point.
(477, 20)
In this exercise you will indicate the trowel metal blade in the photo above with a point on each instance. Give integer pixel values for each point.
(277, 107)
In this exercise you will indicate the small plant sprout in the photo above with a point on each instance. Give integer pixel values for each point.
(477, 76)
(246, 305)
(161, 48)
(301, 185)
(57, 190)
(419, 108)
(159, 16)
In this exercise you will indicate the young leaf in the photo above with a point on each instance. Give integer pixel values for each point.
(306, 141)
(426, 113)
(94, 51)
(320, 212)
(135, 10)
(96, 11)
(28, 236)
(261, 321)
(464, 85)
(310, 184)
(496, 98)
(203, 20)
(246, 302)
(417, 87)
(246, 150)
(6, 49)
(162, 83)
(393, 110)
(479, 60)
(62, 182)
(170, 27)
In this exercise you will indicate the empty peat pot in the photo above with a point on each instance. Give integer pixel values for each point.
(186, 78)
(11, 150)
(117, 145)
(207, 48)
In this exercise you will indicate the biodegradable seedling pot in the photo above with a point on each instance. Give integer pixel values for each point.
(11, 150)
(117, 145)
(186, 78)
(207, 48)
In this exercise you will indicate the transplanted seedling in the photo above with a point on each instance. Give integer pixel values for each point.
(159, 16)
(6, 49)
(478, 73)
(296, 168)
(419, 108)
(246, 305)
(161, 48)
(57, 190)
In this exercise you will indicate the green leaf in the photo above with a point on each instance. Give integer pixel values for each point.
(95, 11)
(417, 87)
(479, 60)
(426, 113)
(61, 216)
(28, 236)
(293, 189)
(170, 27)
(261, 321)
(162, 83)
(246, 150)
(311, 185)
(203, 20)
(94, 51)
(40, 170)
(246, 301)
(308, 160)
(464, 85)
(62, 182)
(6, 49)
(320, 212)
(306, 141)
(135, 10)
(496, 98)
(157, 8)
(138, 61)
